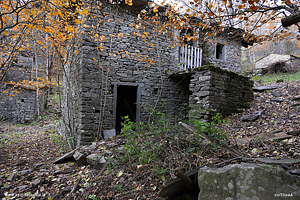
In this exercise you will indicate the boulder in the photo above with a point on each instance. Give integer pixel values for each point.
(262, 64)
(247, 181)
(95, 160)
(251, 117)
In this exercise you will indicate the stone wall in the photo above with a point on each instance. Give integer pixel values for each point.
(19, 104)
(94, 76)
(18, 100)
(231, 60)
(113, 59)
(218, 91)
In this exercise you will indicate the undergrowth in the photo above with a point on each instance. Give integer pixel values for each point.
(163, 147)
(273, 78)
(282, 67)
(8, 137)
(59, 141)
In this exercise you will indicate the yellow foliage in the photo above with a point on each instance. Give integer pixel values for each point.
(85, 11)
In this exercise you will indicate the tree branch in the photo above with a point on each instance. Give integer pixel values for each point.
(215, 142)
(290, 20)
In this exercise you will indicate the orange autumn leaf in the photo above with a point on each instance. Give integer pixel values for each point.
(253, 8)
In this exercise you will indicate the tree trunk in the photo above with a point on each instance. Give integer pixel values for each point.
(290, 20)
(36, 76)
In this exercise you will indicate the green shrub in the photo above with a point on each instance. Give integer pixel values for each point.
(161, 145)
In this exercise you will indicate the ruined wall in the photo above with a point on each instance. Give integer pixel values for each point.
(232, 53)
(18, 101)
(219, 91)
(19, 104)
(112, 54)
(122, 59)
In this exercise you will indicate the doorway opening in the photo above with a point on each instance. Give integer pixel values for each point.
(126, 105)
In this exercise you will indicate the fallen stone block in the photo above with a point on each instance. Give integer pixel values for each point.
(95, 160)
(66, 157)
(109, 133)
(251, 117)
(12, 177)
(266, 87)
(275, 94)
(247, 181)
(6, 188)
(79, 158)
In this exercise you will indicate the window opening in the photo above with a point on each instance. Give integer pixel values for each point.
(220, 51)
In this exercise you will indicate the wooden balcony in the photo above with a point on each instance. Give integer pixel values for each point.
(189, 57)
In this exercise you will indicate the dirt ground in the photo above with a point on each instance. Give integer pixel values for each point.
(27, 153)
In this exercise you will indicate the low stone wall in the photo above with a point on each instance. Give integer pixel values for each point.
(215, 90)
(19, 104)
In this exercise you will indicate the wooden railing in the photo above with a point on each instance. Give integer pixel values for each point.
(189, 57)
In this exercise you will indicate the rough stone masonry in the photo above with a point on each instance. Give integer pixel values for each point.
(109, 79)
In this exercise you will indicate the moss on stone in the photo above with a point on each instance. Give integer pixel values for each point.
(246, 105)
(216, 69)
(205, 67)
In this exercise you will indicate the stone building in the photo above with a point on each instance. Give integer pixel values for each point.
(18, 103)
(138, 72)
(18, 99)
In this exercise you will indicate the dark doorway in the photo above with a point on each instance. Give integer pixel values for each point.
(126, 104)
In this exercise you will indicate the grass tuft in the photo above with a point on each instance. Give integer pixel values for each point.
(273, 78)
